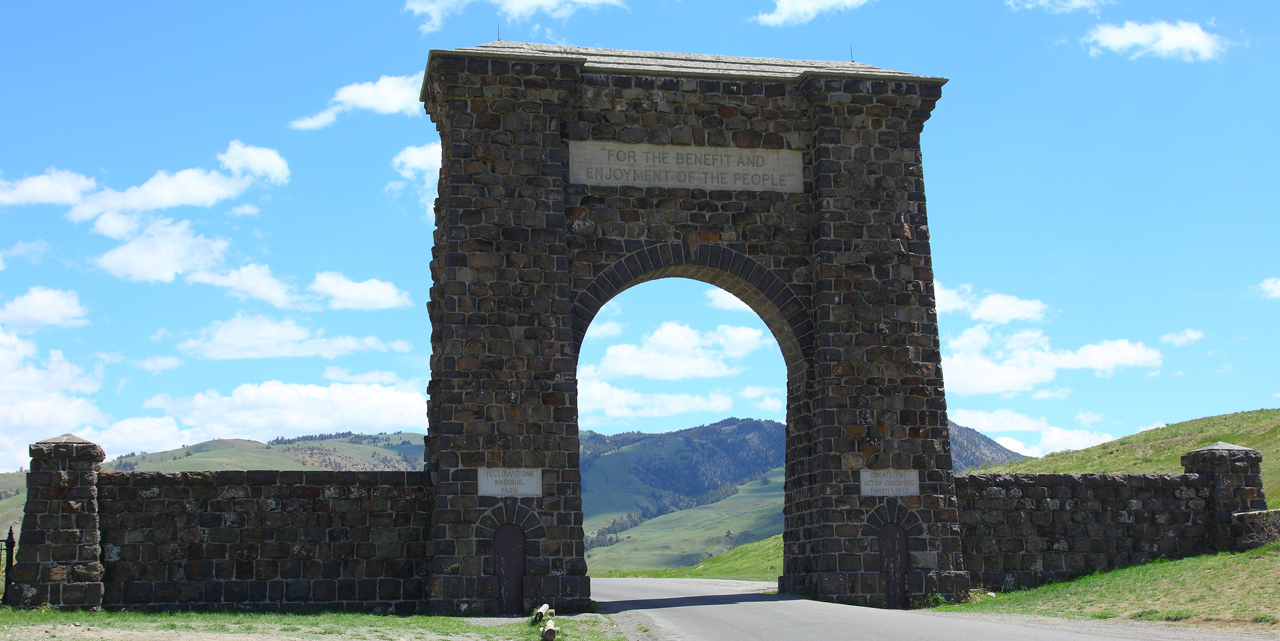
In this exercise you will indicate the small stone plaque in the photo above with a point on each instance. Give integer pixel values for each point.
(510, 481)
(613, 164)
(890, 483)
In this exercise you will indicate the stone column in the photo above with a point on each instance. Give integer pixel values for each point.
(59, 553)
(1235, 479)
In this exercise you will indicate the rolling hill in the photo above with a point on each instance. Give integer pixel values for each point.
(1160, 450)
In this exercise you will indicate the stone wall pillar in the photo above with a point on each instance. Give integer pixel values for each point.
(1235, 476)
(59, 553)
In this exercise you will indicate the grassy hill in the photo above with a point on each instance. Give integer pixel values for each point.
(343, 451)
(688, 536)
(1160, 450)
(759, 561)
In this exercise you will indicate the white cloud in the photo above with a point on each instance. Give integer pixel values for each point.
(992, 308)
(244, 210)
(421, 165)
(262, 411)
(162, 251)
(771, 404)
(756, 391)
(371, 294)
(1002, 308)
(1158, 425)
(1058, 6)
(604, 329)
(53, 187)
(1058, 394)
(1052, 439)
(437, 10)
(1182, 338)
(264, 337)
(770, 399)
(386, 95)
(251, 281)
(161, 334)
(345, 376)
(1087, 419)
(1185, 40)
(676, 351)
(40, 400)
(597, 397)
(980, 362)
(42, 306)
(1270, 288)
(720, 299)
(189, 187)
(157, 364)
(952, 300)
(792, 12)
(32, 251)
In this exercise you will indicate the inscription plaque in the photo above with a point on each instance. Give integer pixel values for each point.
(510, 481)
(614, 164)
(890, 483)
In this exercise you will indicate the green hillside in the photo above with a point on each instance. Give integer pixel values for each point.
(685, 537)
(345, 451)
(1160, 450)
(759, 561)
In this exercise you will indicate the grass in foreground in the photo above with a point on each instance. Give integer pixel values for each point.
(1232, 588)
(320, 625)
(759, 561)
(1160, 450)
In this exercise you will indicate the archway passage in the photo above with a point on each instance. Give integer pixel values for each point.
(508, 567)
(529, 246)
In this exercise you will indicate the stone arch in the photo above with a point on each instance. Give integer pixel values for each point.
(775, 301)
(514, 512)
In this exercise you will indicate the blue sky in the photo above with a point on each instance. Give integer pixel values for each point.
(214, 222)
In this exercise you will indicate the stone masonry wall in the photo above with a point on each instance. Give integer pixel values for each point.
(345, 540)
(1023, 530)
(841, 274)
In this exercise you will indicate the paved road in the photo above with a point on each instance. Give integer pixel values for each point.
(711, 610)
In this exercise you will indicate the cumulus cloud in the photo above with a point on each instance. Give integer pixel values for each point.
(1182, 338)
(793, 12)
(244, 210)
(246, 336)
(1045, 394)
(598, 400)
(251, 281)
(720, 299)
(420, 165)
(767, 399)
(342, 375)
(163, 250)
(604, 329)
(371, 294)
(437, 10)
(1087, 418)
(53, 187)
(1052, 439)
(42, 306)
(32, 251)
(40, 399)
(992, 308)
(1058, 6)
(676, 351)
(386, 95)
(1184, 40)
(981, 362)
(157, 364)
(273, 408)
(1270, 288)
(245, 164)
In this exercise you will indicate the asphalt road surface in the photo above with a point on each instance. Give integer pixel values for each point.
(711, 610)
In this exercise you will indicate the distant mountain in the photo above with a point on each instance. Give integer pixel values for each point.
(971, 449)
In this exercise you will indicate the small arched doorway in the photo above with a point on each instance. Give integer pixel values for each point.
(508, 567)
(894, 561)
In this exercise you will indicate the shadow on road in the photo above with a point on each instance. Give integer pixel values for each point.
(693, 601)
